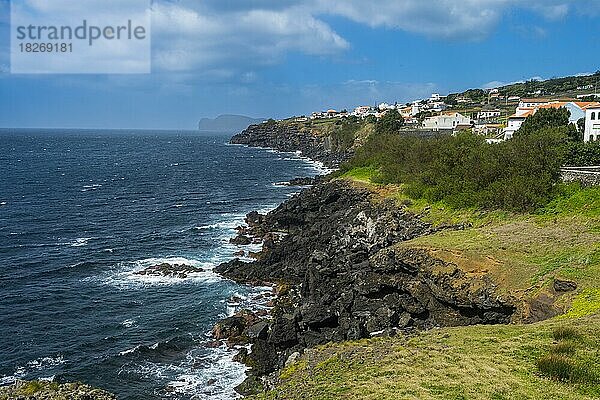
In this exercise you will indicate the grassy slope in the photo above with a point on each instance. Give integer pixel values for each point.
(524, 253)
(477, 362)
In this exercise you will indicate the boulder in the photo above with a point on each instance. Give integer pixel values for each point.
(564, 285)
(169, 270)
(241, 240)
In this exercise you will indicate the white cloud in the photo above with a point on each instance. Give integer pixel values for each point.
(235, 36)
(104, 56)
(187, 38)
(435, 18)
(232, 39)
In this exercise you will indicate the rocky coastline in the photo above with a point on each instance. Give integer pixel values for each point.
(333, 253)
(292, 139)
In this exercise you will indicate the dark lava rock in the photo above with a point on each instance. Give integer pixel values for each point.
(306, 181)
(564, 286)
(242, 356)
(291, 139)
(241, 240)
(250, 387)
(346, 279)
(169, 270)
(232, 328)
(260, 330)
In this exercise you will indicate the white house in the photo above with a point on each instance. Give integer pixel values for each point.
(435, 97)
(446, 121)
(515, 121)
(592, 123)
(362, 111)
(406, 112)
(437, 106)
(416, 108)
(532, 103)
(488, 114)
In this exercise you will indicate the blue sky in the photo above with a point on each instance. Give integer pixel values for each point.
(276, 58)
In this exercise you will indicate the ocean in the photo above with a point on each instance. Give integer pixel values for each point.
(82, 211)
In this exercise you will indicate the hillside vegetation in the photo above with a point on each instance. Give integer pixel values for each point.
(524, 253)
(521, 227)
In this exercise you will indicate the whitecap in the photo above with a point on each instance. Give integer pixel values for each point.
(87, 188)
(37, 365)
(79, 242)
(124, 276)
(128, 323)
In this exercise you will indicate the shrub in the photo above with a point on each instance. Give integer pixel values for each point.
(390, 122)
(564, 347)
(561, 368)
(579, 154)
(465, 171)
(544, 118)
(566, 333)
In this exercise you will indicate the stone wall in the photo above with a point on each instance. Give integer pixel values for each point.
(588, 176)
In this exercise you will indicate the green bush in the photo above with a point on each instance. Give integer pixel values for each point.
(579, 154)
(465, 171)
(390, 122)
(563, 369)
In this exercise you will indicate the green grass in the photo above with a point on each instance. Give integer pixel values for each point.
(572, 200)
(563, 333)
(524, 250)
(361, 174)
(574, 359)
(587, 302)
(32, 388)
(523, 253)
(475, 362)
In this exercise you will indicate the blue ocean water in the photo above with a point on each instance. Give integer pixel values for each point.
(81, 211)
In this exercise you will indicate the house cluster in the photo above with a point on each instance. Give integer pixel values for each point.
(588, 111)
(408, 111)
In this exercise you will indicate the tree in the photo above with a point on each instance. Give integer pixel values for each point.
(545, 118)
(581, 124)
(390, 122)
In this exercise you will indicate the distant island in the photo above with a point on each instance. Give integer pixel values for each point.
(227, 123)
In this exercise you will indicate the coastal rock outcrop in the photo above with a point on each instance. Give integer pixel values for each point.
(169, 270)
(291, 139)
(41, 390)
(343, 274)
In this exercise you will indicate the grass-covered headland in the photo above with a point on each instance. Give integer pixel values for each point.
(522, 227)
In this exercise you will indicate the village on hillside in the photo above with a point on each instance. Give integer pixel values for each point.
(492, 113)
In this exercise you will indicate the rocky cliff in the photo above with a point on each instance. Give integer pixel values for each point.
(333, 252)
(291, 138)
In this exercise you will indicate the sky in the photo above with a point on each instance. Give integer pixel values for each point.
(278, 58)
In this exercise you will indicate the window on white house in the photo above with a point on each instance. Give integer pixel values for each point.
(593, 116)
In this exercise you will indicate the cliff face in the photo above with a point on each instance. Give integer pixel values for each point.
(332, 250)
(290, 138)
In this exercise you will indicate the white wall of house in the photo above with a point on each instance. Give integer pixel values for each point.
(592, 124)
(532, 103)
(446, 121)
(576, 112)
(514, 124)
(487, 114)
